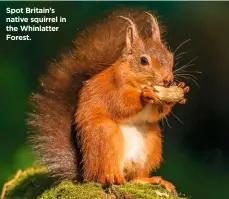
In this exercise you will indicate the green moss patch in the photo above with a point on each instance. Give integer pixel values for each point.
(34, 183)
(30, 184)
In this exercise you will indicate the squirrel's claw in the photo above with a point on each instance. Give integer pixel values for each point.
(175, 193)
(111, 179)
(181, 84)
(183, 101)
(119, 179)
(186, 89)
(169, 186)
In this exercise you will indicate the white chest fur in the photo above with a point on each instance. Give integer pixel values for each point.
(133, 132)
(135, 149)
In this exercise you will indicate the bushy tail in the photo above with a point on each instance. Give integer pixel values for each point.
(51, 120)
(51, 127)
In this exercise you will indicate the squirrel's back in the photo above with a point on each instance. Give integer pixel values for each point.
(51, 120)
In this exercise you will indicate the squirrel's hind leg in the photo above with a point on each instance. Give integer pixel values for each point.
(157, 180)
(154, 143)
(103, 148)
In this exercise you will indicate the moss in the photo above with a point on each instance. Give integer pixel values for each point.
(34, 183)
(146, 191)
(68, 190)
(30, 184)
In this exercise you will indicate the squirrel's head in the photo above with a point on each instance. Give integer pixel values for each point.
(149, 59)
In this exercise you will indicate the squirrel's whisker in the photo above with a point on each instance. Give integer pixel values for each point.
(181, 45)
(176, 79)
(180, 55)
(163, 123)
(176, 64)
(198, 72)
(166, 119)
(186, 74)
(187, 77)
(177, 117)
(186, 65)
(183, 67)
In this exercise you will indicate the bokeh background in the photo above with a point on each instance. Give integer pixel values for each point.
(196, 153)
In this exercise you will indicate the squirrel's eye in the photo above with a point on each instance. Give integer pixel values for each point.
(144, 61)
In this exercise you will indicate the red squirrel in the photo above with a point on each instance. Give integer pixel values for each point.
(96, 116)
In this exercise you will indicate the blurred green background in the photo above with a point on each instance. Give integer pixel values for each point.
(196, 153)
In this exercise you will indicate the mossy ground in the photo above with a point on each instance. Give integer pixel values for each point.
(34, 183)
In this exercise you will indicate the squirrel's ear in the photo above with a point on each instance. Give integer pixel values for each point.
(131, 35)
(154, 28)
(130, 38)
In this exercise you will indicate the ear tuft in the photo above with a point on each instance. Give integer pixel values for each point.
(154, 28)
(131, 34)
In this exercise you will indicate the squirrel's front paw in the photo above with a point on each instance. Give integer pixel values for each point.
(148, 95)
(186, 89)
(110, 179)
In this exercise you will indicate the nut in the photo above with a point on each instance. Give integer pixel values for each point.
(172, 94)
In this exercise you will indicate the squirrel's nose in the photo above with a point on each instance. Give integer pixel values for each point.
(166, 83)
(168, 80)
